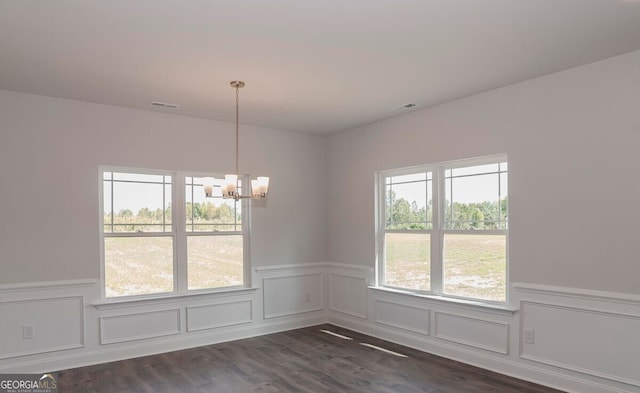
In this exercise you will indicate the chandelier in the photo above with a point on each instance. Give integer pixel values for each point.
(230, 186)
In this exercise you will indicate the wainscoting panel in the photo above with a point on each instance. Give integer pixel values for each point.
(586, 340)
(348, 294)
(583, 340)
(402, 316)
(130, 327)
(55, 324)
(479, 333)
(292, 294)
(213, 316)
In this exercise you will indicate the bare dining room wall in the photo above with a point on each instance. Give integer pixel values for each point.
(572, 142)
(573, 299)
(50, 153)
(50, 150)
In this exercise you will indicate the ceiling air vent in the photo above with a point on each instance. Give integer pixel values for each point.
(164, 105)
(405, 106)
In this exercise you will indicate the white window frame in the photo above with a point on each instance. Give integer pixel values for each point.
(438, 232)
(178, 233)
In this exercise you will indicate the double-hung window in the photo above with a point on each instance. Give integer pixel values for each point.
(161, 236)
(443, 229)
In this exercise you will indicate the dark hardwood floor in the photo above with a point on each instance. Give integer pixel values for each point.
(303, 360)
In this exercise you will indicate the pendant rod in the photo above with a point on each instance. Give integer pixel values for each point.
(237, 85)
(259, 187)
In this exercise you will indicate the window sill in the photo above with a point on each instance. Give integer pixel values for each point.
(469, 304)
(169, 298)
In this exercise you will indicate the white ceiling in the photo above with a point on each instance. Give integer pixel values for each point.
(310, 66)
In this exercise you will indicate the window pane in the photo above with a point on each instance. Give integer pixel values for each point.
(408, 178)
(475, 266)
(106, 202)
(188, 197)
(474, 170)
(167, 208)
(407, 260)
(210, 214)
(407, 205)
(138, 265)
(214, 261)
(475, 189)
(228, 211)
(216, 228)
(473, 201)
(137, 228)
(140, 206)
(138, 177)
(238, 206)
(504, 188)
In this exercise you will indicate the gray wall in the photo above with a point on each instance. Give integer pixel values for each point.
(572, 140)
(571, 137)
(50, 150)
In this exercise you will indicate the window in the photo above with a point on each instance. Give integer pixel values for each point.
(407, 232)
(445, 228)
(214, 238)
(150, 248)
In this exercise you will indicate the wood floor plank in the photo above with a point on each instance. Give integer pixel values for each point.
(302, 360)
